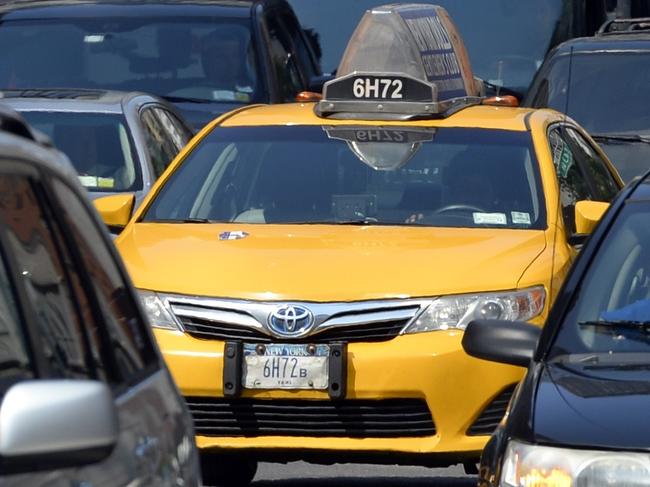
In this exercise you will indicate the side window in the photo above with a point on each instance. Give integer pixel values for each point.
(129, 341)
(178, 133)
(162, 149)
(604, 185)
(283, 60)
(306, 58)
(15, 364)
(36, 247)
(572, 181)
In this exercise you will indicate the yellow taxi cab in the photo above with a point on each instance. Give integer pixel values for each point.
(309, 268)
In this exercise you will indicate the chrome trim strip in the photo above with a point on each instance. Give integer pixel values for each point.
(254, 314)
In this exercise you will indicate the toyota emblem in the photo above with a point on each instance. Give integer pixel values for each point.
(290, 320)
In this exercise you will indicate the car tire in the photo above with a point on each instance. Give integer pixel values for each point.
(227, 471)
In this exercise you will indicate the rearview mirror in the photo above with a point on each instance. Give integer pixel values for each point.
(588, 214)
(508, 342)
(115, 210)
(53, 424)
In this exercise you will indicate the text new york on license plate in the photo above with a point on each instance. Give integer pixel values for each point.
(285, 366)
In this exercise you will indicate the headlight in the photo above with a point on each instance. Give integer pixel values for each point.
(159, 314)
(543, 466)
(457, 311)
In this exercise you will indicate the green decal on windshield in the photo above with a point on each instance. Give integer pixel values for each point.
(564, 160)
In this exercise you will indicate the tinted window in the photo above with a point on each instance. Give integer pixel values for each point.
(177, 131)
(283, 60)
(302, 174)
(98, 145)
(36, 248)
(609, 92)
(615, 289)
(160, 144)
(175, 56)
(15, 364)
(573, 183)
(129, 341)
(604, 186)
(488, 28)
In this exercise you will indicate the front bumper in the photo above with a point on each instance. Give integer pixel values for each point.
(428, 366)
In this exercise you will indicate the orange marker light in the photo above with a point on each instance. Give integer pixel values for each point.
(306, 96)
(501, 101)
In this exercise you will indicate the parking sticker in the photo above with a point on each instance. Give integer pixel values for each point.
(490, 218)
(520, 218)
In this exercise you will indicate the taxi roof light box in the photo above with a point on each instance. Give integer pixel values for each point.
(402, 60)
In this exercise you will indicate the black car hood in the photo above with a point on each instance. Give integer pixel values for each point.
(593, 409)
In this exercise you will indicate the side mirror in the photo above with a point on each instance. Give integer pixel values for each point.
(508, 342)
(115, 210)
(53, 424)
(588, 214)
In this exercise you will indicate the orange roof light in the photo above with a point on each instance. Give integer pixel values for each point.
(501, 101)
(307, 96)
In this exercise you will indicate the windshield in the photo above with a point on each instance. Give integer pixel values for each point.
(181, 58)
(608, 92)
(609, 321)
(488, 28)
(98, 145)
(449, 177)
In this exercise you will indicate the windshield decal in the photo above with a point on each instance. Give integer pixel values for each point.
(490, 218)
(520, 217)
(236, 235)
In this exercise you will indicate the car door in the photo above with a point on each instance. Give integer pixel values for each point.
(156, 429)
(20, 355)
(50, 342)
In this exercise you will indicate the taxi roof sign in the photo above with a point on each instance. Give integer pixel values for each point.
(403, 60)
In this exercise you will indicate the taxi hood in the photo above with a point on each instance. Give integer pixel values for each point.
(324, 262)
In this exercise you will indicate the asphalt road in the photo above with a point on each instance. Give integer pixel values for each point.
(300, 474)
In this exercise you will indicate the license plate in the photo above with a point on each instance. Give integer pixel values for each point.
(285, 366)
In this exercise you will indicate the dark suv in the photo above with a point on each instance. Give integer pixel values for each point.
(206, 56)
(603, 82)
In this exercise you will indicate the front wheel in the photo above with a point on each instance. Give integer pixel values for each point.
(227, 471)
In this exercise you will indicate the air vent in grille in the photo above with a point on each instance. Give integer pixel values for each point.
(366, 332)
(489, 419)
(348, 418)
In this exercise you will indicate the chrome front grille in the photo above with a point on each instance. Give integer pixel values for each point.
(360, 321)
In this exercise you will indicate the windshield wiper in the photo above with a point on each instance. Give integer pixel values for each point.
(180, 220)
(368, 220)
(629, 325)
(621, 138)
(184, 99)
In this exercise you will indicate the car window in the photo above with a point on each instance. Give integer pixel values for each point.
(35, 245)
(449, 177)
(160, 145)
(15, 363)
(302, 50)
(99, 145)
(615, 288)
(283, 60)
(129, 341)
(178, 133)
(603, 184)
(180, 57)
(571, 178)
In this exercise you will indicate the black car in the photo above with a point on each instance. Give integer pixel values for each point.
(603, 82)
(506, 39)
(206, 56)
(580, 415)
